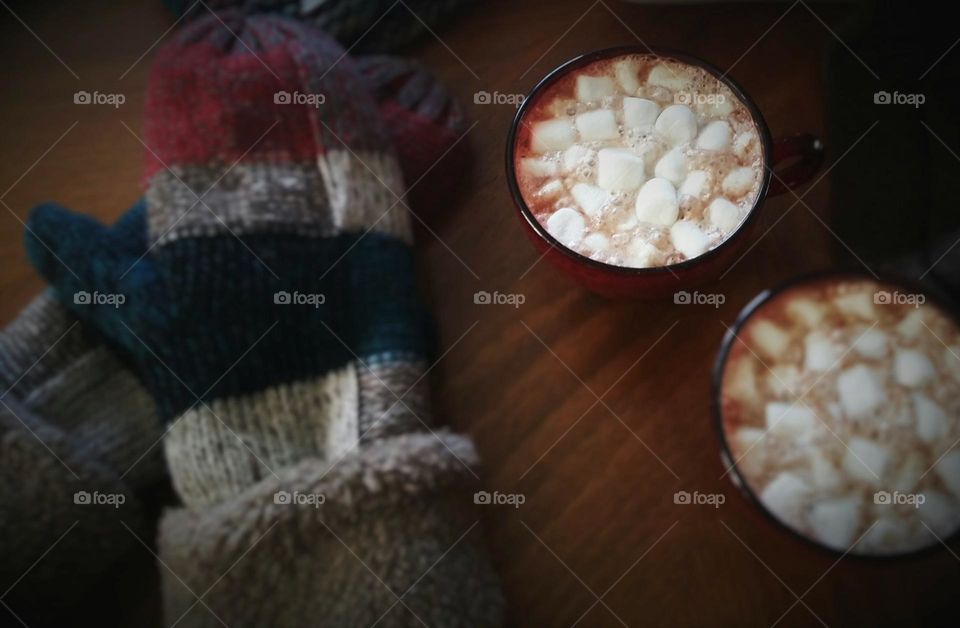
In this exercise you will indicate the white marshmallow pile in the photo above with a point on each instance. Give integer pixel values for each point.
(659, 159)
(844, 410)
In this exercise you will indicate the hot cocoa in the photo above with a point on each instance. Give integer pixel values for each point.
(840, 403)
(639, 160)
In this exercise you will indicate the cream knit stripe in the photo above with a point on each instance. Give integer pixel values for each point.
(315, 418)
(342, 192)
(381, 383)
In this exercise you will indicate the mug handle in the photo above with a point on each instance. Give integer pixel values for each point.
(806, 150)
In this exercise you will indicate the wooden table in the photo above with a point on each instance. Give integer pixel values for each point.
(598, 539)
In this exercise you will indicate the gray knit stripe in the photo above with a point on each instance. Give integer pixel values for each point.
(381, 413)
(340, 192)
(82, 390)
(105, 413)
(32, 334)
(403, 506)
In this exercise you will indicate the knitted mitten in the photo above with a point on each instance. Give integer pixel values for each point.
(74, 422)
(360, 25)
(274, 320)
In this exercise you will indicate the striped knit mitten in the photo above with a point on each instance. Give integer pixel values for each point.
(274, 320)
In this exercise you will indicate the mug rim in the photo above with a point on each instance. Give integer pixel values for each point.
(657, 52)
(752, 307)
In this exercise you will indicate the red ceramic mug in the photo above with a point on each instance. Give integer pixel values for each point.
(805, 151)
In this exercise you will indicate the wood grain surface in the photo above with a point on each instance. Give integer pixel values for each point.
(595, 411)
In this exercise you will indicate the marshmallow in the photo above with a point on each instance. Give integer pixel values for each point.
(657, 203)
(860, 390)
(552, 135)
(747, 438)
(886, 535)
(574, 156)
(627, 73)
(784, 497)
(738, 182)
(639, 113)
(911, 325)
(664, 76)
(949, 471)
(539, 167)
(871, 344)
(590, 198)
(912, 368)
(672, 167)
(857, 305)
(932, 421)
(714, 136)
(790, 419)
(805, 311)
(688, 239)
(911, 471)
(866, 460)
(820, 353)
(723, 214)
(743, 143)
(824, 475)
(951, 360)
(676, 124)
(695, 184)
(741, 381)
(596, 242)
(593, 88)
(566, 225)
(769, 339)
(619, 169)
(597, 125)
(834, 522)
(783, 380)
(939, 512)
(550, 190)
(644, 255)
